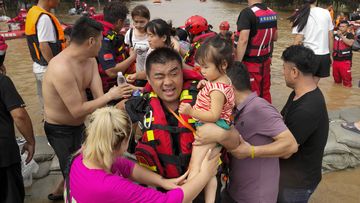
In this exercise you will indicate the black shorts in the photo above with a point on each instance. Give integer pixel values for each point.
(65, 140)
(322, 64)
(11, 184)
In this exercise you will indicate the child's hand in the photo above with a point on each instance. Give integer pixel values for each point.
(201, 84)
(185, 108)
(131, 78)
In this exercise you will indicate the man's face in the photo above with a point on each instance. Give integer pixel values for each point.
(166, 81)
(53, 3)
(343, 28)
(288, 71)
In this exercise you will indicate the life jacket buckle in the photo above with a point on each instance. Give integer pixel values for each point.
(147, 124)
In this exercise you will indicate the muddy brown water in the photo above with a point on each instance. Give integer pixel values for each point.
(341, 186)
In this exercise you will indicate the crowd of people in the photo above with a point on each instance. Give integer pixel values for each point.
(205, 102)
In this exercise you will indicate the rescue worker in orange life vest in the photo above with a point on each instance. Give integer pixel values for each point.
(342, 54)
(45, 38)
(257, 27)
(113, 56)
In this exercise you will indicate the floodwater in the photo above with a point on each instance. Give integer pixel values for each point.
(19, 68)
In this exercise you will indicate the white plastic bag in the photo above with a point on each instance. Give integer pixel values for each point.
(28, 169)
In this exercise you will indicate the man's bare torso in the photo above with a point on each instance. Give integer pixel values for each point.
(79, 74)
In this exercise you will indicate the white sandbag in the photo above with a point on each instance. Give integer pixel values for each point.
(334, 162)
(333, 147)
(351, 114)
(355, 152)
(43, 152)
(44, 170)
(344, 136)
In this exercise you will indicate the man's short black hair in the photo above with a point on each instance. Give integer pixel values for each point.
(68, 30)
(239, 76)
(162, 56)
(302, 57)
(115, 11)
(84, 28)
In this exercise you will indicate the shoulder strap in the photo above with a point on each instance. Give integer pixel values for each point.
(130, 37)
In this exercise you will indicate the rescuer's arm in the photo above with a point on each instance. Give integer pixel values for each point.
(242, 44)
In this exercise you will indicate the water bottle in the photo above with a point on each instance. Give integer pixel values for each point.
(136, 93)
(120, 79)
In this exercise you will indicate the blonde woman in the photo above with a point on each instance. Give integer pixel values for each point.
(98, 172)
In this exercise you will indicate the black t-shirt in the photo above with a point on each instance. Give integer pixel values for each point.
(9, 100)
(248, 21)
(307, 119)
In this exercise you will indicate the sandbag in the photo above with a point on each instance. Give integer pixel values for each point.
(44, 170)
(333, 147)
(343, 136)
(333, 162)
(43, 152)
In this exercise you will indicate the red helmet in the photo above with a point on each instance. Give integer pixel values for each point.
(196, 24)
(224, 25)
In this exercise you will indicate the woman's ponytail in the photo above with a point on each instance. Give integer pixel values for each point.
(300, 17)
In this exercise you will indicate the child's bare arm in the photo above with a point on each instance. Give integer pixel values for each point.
(211, 116)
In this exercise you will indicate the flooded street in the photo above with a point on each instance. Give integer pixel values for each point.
(19, 64)
(19, 68)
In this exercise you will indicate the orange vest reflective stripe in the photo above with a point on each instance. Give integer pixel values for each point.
(32, 19)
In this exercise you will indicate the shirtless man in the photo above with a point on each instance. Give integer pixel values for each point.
(65, 103)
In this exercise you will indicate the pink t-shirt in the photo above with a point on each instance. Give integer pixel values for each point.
(95, 185)
(203, 101)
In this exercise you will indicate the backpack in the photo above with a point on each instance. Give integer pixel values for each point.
(131, 37)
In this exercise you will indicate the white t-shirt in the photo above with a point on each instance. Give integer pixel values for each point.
(316, 31)
(46, 33)
(141, 46)
(45, 29)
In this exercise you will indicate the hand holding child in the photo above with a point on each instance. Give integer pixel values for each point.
(185, 108)
(169, 184)
(201, 84)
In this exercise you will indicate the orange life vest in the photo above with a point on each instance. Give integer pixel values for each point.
(32, 19)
